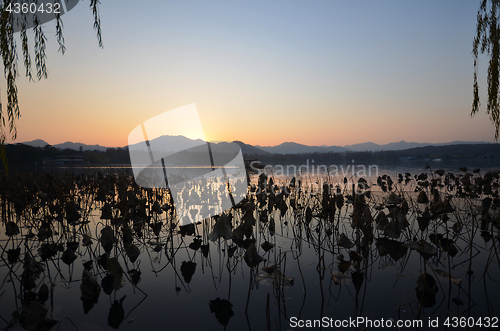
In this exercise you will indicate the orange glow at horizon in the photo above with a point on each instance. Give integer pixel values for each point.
(108, 129)
(262, 85)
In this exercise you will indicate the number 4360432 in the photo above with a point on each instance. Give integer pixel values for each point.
(462, 322)
(33, 8)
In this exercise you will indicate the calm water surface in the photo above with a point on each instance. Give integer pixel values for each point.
(193, 278)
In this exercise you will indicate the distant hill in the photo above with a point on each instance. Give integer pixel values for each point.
(169, 144)
(173, 144)
(249, 149)
(295, 148)
(66, 145)
(372, 147)
(36, 143)
(453, 151)
(402, 145)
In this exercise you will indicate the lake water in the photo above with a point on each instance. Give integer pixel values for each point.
(271, 264)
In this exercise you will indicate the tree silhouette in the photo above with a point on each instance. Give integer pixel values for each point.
(9, 54)
(487, 40)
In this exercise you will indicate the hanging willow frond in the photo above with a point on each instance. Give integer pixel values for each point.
(40, 56)
(26, 54)
(8, 52)
(25, 48)
(59, 33)
(12, 104)
(487, 40)
(94, 5)
(9, 56)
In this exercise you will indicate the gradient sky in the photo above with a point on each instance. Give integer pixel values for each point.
(264, 72)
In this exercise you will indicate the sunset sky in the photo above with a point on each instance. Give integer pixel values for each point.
(319, 72)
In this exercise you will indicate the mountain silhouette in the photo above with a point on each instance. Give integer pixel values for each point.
(173, 144)
(295, 148)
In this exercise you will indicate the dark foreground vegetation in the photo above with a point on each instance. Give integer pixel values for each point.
(307, 247)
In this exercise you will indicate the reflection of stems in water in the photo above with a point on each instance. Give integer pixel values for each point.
(248, 322)
(321, 291)
(268, 314)
(278, 289)
(442, 290)
(209, 264)
(135, 287)
(420, 302)
(282, 285)
(171, 261)
(14, 287)
(296, 258)
(320, 236)
(469, 269)
(3, 319)
(249, 290)
(490, 307)
(170, 257)
(137, 305)
(449, 266)
(229, 272)
(490, 257)
(365, 282)
(70, 271)
(3, 251)
(485, 273)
